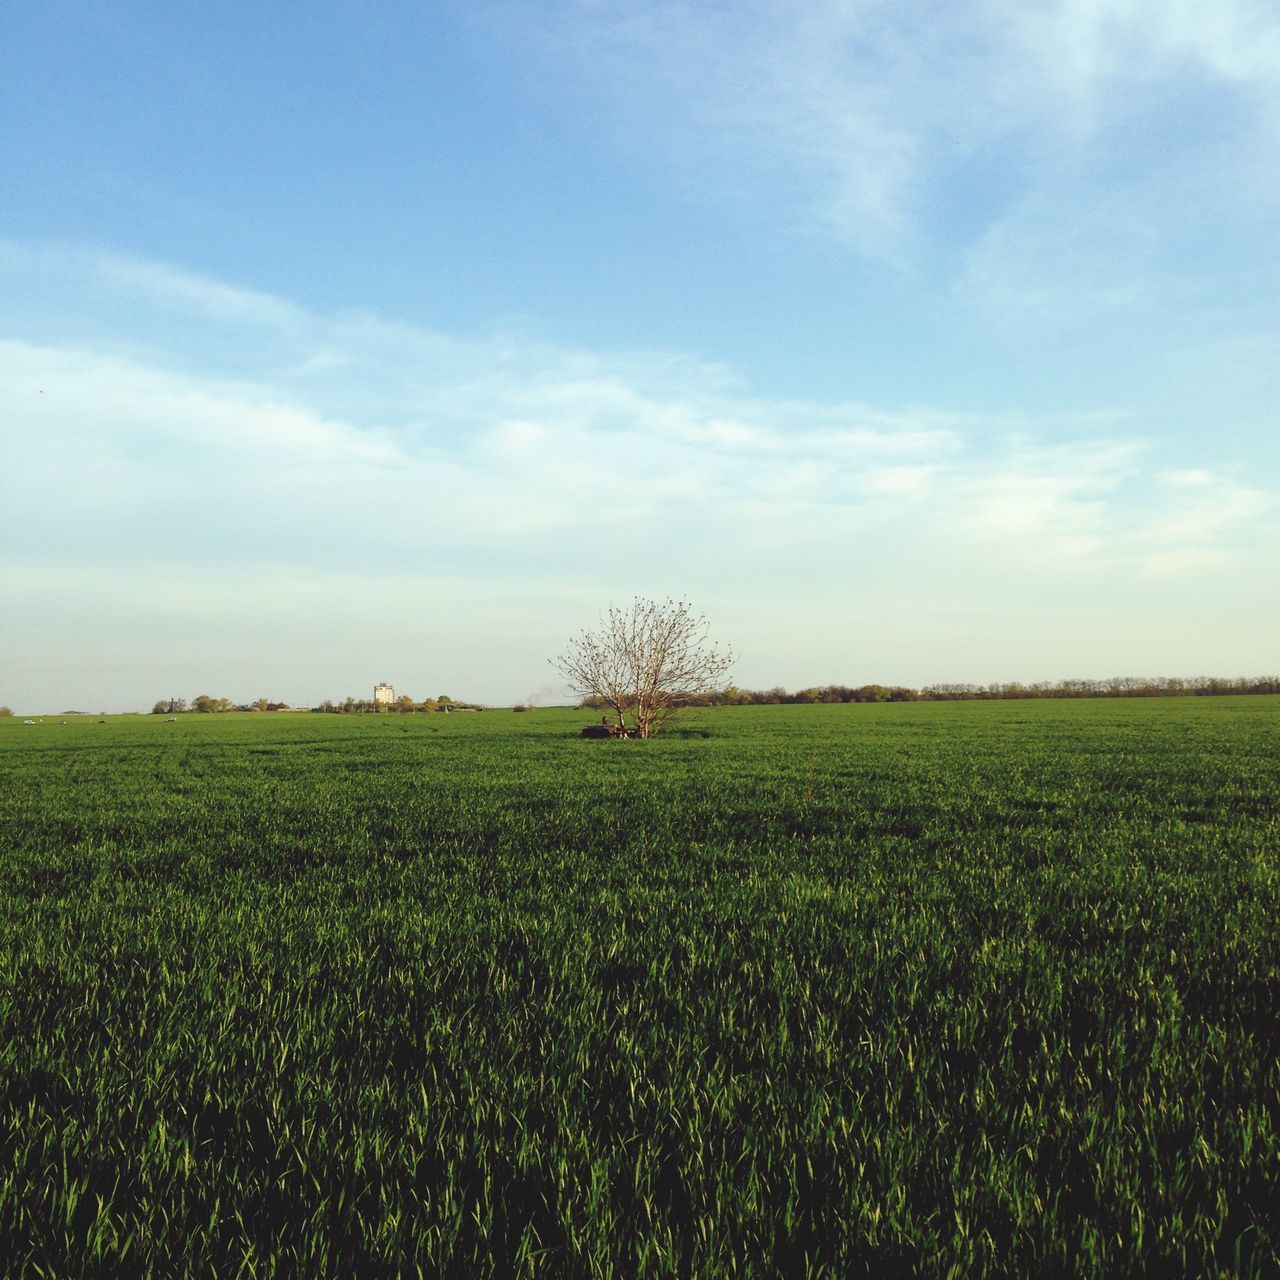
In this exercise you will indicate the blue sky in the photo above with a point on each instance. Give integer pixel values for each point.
(911, 341)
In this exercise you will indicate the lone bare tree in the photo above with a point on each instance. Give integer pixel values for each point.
(645, 662)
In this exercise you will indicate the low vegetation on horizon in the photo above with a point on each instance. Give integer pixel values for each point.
(732, 696)
(956, 989)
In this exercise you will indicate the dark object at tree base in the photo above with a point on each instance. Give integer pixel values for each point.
(604, 731)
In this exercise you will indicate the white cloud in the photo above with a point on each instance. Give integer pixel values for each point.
(547, 446)
(188, 292)
(1198, 519)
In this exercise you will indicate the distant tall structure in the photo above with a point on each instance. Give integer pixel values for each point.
(383, 695)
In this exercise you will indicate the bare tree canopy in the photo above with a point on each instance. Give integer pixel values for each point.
(646, 662)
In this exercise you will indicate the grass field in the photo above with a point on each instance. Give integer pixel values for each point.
(938, 989)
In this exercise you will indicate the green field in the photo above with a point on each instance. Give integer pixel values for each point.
(938, 989)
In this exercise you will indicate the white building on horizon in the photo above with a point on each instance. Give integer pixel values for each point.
(383, 695)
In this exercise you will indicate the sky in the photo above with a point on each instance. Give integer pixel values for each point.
(909, 341)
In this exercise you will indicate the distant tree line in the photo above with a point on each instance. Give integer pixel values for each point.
(1115, 687)
(403, 705)
(205, 704)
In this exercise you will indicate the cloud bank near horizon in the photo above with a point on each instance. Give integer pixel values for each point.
(221, 487)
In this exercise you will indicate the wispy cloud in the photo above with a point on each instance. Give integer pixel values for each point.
(1089, 49)
(866, 117)
(482, 439)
